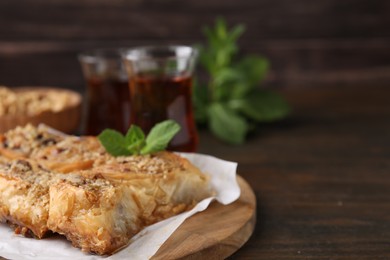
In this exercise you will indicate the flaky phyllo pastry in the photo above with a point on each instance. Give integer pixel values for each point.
(51, 182)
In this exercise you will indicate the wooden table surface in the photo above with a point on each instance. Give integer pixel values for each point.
(321, 177)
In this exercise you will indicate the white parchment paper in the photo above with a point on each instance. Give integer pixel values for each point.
(147, 242)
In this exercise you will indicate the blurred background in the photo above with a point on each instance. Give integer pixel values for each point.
(309, 43)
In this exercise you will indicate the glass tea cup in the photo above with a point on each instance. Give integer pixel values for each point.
(160, 81)
(107, 95)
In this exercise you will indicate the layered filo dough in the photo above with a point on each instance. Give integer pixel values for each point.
(71, 186)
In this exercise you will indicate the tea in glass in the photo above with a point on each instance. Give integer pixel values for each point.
(160, 82)
(107, 95)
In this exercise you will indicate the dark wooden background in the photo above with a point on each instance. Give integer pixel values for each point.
(310, 43)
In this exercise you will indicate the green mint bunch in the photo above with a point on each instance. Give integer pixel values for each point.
(231, 102)
(135, 143)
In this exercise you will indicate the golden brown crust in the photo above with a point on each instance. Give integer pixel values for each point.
(101, 201)
(102, 218)
(24, 199)
(21, 142)
(11, 154)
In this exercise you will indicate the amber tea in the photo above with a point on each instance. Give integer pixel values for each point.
(108, 105)
(155, 99)
(107, 96)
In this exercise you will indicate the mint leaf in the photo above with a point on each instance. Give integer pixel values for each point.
(221, 47)
(199, 101)
(255, 68)
(229, 83)
(240, 89)
(236, 32)
(227, 124)
(160, 135)
(261, 106)
(135, 143)
(114, 142)
(221, 28)
(134, 139)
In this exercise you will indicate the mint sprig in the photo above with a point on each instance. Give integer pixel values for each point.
(135, 143)
(230, 102)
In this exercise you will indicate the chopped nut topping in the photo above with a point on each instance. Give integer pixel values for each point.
(70, 153)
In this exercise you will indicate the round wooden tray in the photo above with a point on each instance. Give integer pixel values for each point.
(215, 233)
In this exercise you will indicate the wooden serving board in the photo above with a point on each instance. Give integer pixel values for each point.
(215, 233)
